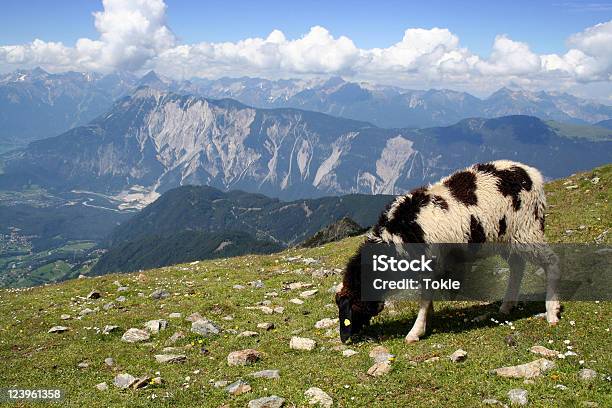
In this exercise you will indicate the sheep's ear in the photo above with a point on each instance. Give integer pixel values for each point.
(346, 317)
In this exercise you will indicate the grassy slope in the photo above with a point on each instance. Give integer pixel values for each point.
(33, 358)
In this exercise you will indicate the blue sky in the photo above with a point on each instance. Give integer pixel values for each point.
(545, 25)
(476, 46)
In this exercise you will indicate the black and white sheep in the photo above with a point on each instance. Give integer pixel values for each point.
(500, 201)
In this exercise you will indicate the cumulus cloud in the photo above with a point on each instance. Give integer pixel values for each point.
(134, 36)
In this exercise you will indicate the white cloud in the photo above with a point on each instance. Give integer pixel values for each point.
(134, 36)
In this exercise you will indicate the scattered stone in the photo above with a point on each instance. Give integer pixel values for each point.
(432, 359)
(379, 369)
(491, 401)
(518, 396)
(86, 311)
(266, 326)
(109, 328)
(109, 361)
(380, 354)
(102, 386)
(326, 323)
(590, 404)
(58, 329)
(271, 374)
(170, 358)
(220, 383)
(141, 382)
(243, 357)
(160, 294)
(267, 402)
(543, 351)
(108, 306)
(561, 387)
(309, 293)
(94, 294)
(302, 343)
(194, 317)
(248, 333)
(154, 326)
(122, 289)
(204, 328)
(279, 309)
(134, 335)
(83, 365)
(528, 370)
(257, 284)
(586, 374)
(65, 317)
(299, 285)
(238, 387)
(349, 353)
(317, 396)
(239, 287)
(124, 381)
(296, 301)
(175, 337)
(175, 315)
(458, 356)
(121, 299)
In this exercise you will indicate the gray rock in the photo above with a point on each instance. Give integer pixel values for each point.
(296, 301)
(491, 401)
(109, 328)
(379, 369)
(109, 361)
(348, 353)
(458, 356)
(124, 381)
(170, 358)
(160, 294)
(271, 374)
(266, 326)
(302, 343)
(267, 402)
(154, 326)
(243, 357)
(586, 374)
(134, 335)
(102, 386)
(122, 289)
(58, 329)
(141, 382)
(317, 396)
(94, 294)
(518, 396)
(65, 317)
(326, 323)
(543, 351)
(108, 306)
(220, 383)
(528, 370)
(175, 315)
(238, 387)
(309, 293)
(239, 287)
(204, 328)
(380, 354)
(257, 283)
(86, 311)
(175, 337)
(83, 365)
(121, 299)
(194, 317)
(248, 333)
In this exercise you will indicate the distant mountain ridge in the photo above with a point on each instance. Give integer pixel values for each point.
(35, 104)
(162, 140)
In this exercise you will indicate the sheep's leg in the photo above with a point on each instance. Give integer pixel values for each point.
(544, 257)
(418, 328)
(517, 268)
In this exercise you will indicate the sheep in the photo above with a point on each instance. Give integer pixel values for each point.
(500, 201)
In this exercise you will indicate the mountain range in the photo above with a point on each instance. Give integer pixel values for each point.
(155, 141)
(35, 104)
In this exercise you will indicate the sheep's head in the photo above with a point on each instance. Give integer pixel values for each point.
(354, 314)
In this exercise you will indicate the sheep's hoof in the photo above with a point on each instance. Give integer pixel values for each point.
(552, 321)
(506, 308)
(411, 338)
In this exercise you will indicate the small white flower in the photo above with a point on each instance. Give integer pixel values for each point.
(566, 341)
(561, 356)
(572, 323)
(581, 362)
(550, 341)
